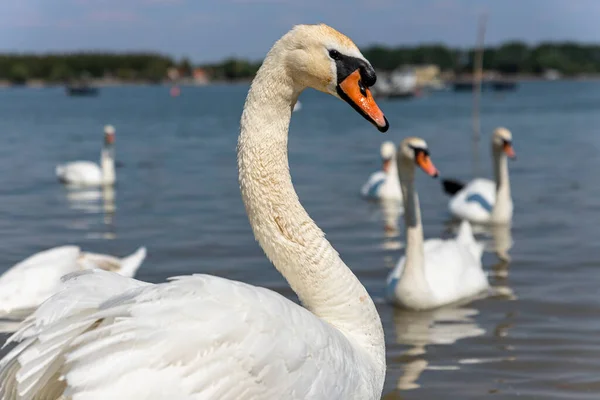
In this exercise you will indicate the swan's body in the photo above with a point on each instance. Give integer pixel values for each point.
(384, 184)
(484, 201)
(87, 173)
(436, 272)
(29, 283)
(201, 337)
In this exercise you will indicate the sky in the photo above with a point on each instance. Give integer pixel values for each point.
(211, 30)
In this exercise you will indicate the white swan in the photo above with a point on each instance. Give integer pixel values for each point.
(484, 201)
(436, 272)
(384, 184)
(204, 337)
(29, 283)
(87, 173)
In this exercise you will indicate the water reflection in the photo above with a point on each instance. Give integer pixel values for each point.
(419, 329)
(389, 212)
(496, 238)
(96, 200)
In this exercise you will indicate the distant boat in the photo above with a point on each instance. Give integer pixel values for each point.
(81, 90)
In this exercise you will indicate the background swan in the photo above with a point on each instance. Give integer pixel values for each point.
(436, 272)
(384, 184)
(29, 283)
(482, 200)
(204, 337)
(87, 173)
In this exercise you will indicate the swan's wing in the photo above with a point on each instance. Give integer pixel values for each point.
(79, 172)
(476, 201)
(197, 337)
(127, 266)
(373, 184)
(452, 270)
(30, 282)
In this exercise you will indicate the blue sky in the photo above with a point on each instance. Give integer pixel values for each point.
(210, 30)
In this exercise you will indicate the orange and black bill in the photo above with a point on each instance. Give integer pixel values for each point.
(109, 138)
(508, 149)
(423, 161)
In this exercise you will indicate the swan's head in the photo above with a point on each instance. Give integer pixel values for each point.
(415, 150)
(388, 151)
(109, 134)
(320, 57)
(502, 142)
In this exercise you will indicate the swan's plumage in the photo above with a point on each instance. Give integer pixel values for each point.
(475, 201)
(80, 172)
(29, 283)
(255, 343)
(384, 184)
(452, 271)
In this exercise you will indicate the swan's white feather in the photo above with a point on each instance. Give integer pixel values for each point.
(474, 200)
(452, 269)
(80, 172)
(196, 337)
(382, 186)
(29, 283)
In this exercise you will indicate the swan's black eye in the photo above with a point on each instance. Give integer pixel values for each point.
(335, 54)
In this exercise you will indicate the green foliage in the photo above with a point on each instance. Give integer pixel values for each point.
(512, 57)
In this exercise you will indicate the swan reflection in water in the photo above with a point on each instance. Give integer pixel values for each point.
(442, 326)
(94, 200)
(389, 212)
(496, 238)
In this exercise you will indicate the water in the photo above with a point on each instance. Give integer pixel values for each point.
(178, 195)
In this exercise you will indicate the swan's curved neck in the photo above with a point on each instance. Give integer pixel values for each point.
(285, 231)
(107, 164)
(413, 273)
(503, 199)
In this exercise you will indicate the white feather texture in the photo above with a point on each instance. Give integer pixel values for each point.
(29, 283)
(206, 338)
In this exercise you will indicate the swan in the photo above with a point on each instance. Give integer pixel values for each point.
(203, 337)
(384, 184)
(437, 272)
(87, 173)
(483, 201)
(29, 283)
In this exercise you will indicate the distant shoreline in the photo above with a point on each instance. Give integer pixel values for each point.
(101, 83)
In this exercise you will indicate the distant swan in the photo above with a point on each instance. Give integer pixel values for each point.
(482, 200)
(384, 184)
(437, 272)
(203, 337)
(29, 283)
(87, 173)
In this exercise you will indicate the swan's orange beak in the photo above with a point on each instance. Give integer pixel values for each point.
(353, 91)
(426, 165)
(109, 138)
(508, 150)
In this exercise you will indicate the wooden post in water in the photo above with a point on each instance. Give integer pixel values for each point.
(477, 77)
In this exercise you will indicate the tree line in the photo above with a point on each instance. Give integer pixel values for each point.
(569, 58)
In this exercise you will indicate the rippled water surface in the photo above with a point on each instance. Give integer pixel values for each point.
(178, 195)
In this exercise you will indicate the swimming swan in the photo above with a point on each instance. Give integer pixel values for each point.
(437, 272)
(87, 173)
(484, 201)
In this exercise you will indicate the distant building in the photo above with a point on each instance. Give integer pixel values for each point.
(200, 76)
